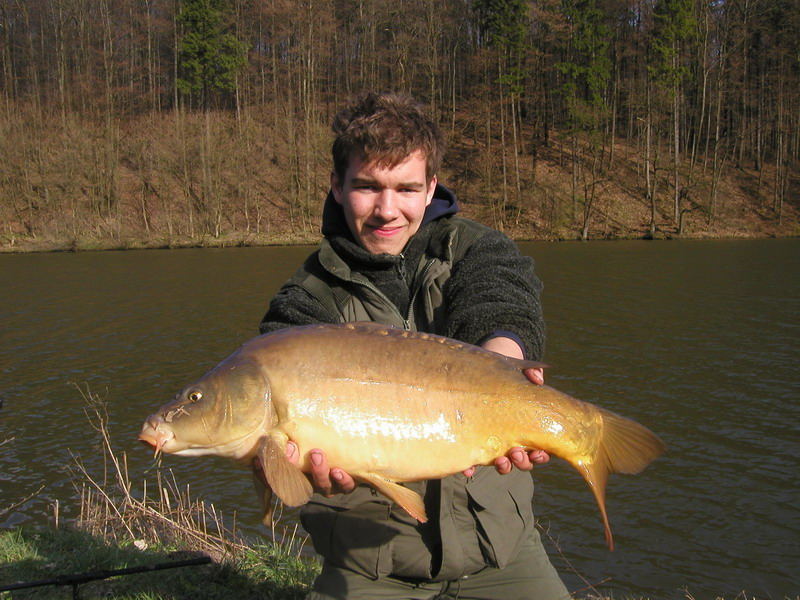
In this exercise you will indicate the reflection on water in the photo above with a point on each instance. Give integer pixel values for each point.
(697, 340)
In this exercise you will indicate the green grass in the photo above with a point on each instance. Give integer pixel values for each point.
(265, 571)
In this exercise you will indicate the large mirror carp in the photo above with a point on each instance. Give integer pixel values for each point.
(387, 406)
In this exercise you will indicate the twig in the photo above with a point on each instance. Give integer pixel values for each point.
(8, 509)
(102, 492)
(591, 587)
(588, 584)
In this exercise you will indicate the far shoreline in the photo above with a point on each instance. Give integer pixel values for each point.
(287, 240)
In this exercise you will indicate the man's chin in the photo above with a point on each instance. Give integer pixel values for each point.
(383, 249)
(376, 244)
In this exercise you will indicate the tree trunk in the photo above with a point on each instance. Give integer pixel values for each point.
(676, 149)
(717, 163)
(648, 171)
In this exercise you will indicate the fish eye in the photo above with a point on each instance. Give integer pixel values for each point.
(195, 395)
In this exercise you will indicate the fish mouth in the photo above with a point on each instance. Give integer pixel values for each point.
(158, 434)
(154, 435)
(163, 440)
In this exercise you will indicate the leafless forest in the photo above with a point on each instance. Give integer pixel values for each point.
(174, 122)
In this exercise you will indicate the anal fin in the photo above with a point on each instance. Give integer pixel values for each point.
(286, 480)
(408, 499)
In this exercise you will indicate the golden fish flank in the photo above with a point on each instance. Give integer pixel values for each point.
(387, 426)
(372, 399)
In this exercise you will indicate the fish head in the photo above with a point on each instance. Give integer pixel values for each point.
(224, 413)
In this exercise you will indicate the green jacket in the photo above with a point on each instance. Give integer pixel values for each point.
(474, 522)
(351, 296)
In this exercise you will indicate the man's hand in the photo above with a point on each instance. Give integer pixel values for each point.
(516, 457)
(325, 480)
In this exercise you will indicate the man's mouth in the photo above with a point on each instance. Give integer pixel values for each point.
(385, 230)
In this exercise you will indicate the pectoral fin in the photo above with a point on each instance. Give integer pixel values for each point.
(408, 499)
(285, 479)
(264, 494)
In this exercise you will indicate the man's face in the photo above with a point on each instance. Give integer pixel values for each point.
(384, 206)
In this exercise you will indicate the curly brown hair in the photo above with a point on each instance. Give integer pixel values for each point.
(385, 129)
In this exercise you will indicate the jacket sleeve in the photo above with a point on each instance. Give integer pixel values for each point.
(291, 306)
(494, 288)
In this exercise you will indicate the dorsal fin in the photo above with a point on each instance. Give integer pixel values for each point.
(523, 364)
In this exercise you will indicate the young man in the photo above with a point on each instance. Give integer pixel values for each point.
(395, 252)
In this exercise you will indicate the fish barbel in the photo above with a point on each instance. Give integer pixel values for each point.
(387, 406)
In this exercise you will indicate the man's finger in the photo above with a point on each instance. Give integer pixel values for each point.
(291, 453)
(503, 465)
(539, 457)
(519, 458)
(343, 481)
(320, 472)
(535, 376)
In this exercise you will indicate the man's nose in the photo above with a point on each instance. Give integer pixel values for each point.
(386, 205)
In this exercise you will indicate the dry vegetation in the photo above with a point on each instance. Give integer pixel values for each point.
(157, 180)
(167, 123)
(183, 178)
(160, 513)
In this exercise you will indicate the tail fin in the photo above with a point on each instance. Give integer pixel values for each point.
(625, 447)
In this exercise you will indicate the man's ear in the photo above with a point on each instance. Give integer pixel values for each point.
(336, 187)
(431, 189)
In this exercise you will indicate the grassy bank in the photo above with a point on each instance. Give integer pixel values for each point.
(265, 571)
(89, 244)
(260, 572)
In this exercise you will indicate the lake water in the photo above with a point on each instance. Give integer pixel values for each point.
(698, 340)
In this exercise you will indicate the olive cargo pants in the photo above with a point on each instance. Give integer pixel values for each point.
(530, 576)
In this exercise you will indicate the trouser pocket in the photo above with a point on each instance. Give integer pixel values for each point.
(355, 537)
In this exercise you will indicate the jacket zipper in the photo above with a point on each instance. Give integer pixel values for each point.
(406, 320)
(413, 299)
(363, 281)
